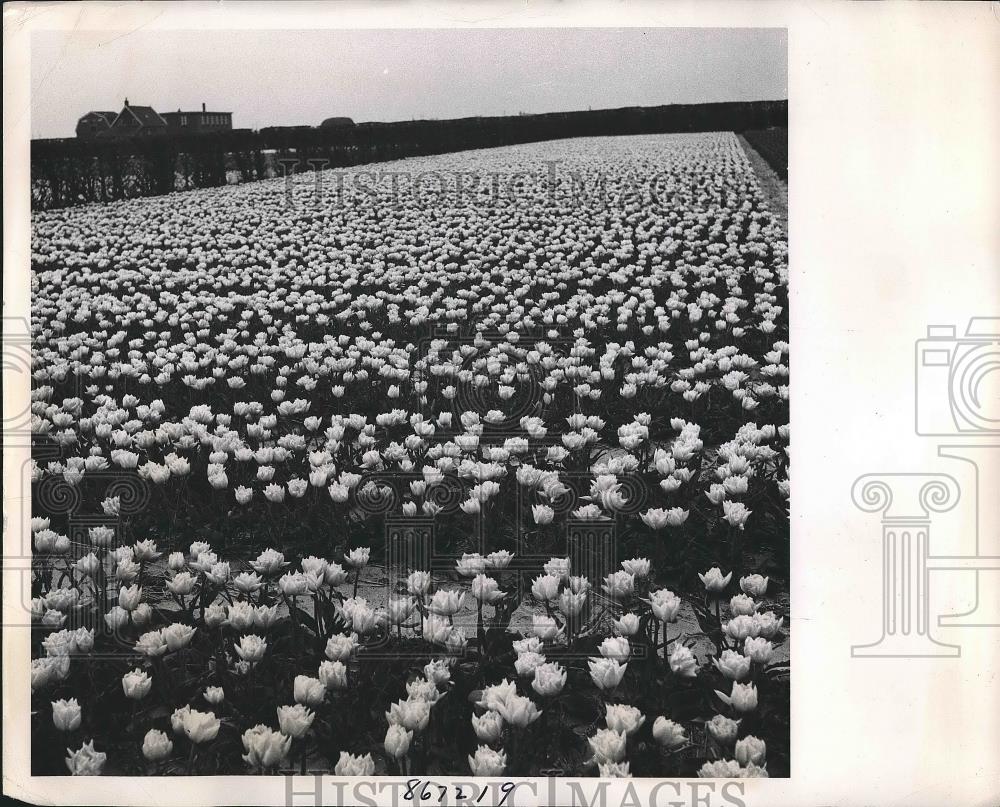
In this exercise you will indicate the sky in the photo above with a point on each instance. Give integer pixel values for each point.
(290, 78)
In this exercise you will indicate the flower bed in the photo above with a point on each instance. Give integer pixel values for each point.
(358, 477)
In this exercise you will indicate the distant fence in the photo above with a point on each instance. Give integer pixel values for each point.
(71, 171)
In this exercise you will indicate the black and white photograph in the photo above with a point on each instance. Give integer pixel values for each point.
(411, 402)
(398, 409)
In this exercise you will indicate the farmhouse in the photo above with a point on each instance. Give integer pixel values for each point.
(94, 123)
(136, 120)
(144, 120)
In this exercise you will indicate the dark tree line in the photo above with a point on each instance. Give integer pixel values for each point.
(73, 171)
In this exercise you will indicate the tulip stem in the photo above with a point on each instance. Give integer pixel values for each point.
(318, 614)
(735, 547)
(480, 633)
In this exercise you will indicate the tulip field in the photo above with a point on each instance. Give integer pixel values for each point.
(472, 464)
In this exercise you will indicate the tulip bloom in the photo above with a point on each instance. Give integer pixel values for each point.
(665, 605)
(557, 567)
(200, 727)
(86, 760)
(488, 726)
(720, 769)
(445, 602)
(742, 605)
(156, 746)
(637, 567)
(754, 585)
(397, 741)
(735, 513)
(750, 751)
(606, 673)
(358, 558)
(668, 734)
(295, 720)
(545, 628)
(732, 665)
(269, 562)
(265, 747)
(608, 745)
(177, 635)
(723, 729)
(767, 624)
(682, 662)
(340, 647)
(418, 583)
(499, 560)
(214, 695)
(743, 697)
(251, 648)
(420, 689)
(152, 644)
(487, 762)
(542, 514)
(757, 649)
(309, 691)
(571, 604)
(623, 718)
(619, 584)
(615, 647)
(469, 565)
(545, 588)
(714, 581)
(411, 715)
(136, 684)
(129, 597)
(333, 675)
(66, 714)
(627, 624)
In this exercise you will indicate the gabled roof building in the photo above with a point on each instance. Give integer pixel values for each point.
(135, 121)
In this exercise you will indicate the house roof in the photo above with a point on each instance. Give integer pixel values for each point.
(107, 117)
(145, 115)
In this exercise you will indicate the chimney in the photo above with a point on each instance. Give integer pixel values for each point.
(202, 106)
(126, 102)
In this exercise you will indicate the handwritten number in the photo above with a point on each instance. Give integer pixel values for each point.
(506, 788)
